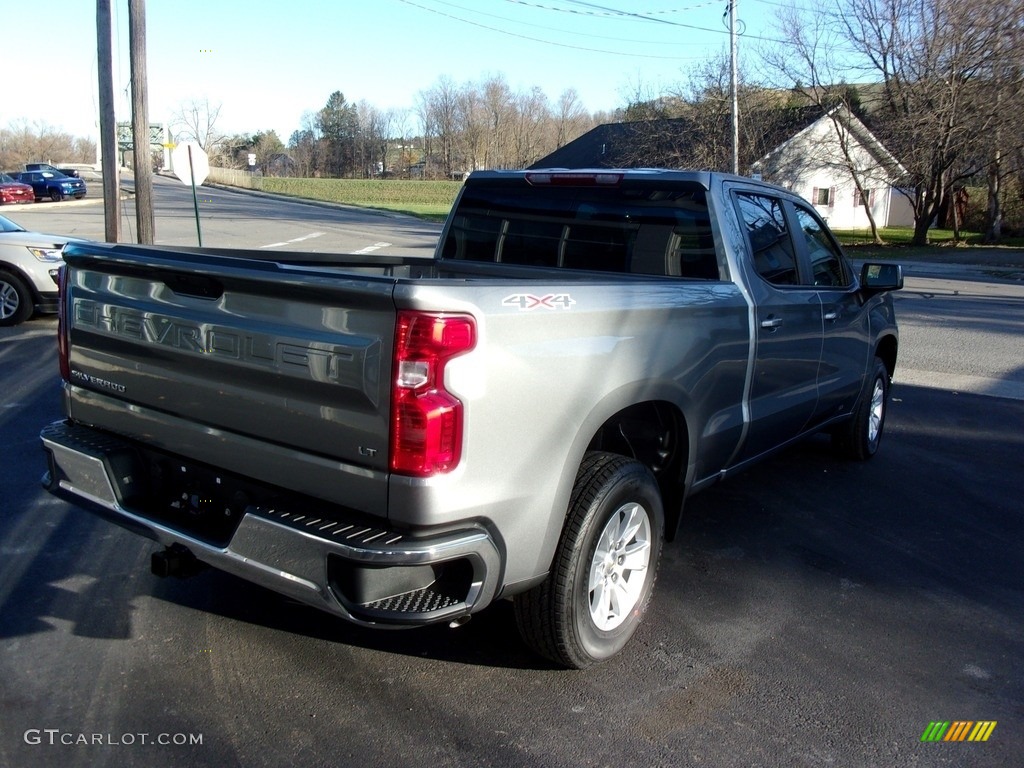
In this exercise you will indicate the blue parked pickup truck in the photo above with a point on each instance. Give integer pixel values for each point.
(402, 441)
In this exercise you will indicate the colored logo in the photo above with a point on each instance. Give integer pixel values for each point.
(959, 730)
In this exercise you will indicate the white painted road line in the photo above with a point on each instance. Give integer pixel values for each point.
(372, 248)
(293, 240)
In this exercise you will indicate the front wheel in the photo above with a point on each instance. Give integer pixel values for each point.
(56, 195)
(15, 300)
(604, 569)
(860, 437)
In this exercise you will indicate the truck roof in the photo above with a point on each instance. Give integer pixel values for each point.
(612, 176)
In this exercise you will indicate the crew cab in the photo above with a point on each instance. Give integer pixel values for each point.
(402, 441)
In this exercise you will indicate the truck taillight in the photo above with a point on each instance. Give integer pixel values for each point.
(426, 419)
(63, 353)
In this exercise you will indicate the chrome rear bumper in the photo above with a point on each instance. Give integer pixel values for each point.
(367, 574)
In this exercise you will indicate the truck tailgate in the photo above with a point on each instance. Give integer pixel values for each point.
(244, 350)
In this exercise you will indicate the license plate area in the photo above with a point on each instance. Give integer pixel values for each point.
(198, 500)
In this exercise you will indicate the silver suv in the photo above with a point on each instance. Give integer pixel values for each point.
(28, 272)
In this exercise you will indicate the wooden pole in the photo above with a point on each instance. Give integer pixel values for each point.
(734, 88)
(108, 127)
(142, 153)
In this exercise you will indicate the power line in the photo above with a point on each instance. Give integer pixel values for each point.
(613, 12)
(545, 42)
(617, 38)
(602, 10)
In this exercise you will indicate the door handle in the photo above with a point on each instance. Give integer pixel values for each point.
(832, 316)
(771, 323)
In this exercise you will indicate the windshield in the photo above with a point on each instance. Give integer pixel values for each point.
(6, 225)
(5, 179)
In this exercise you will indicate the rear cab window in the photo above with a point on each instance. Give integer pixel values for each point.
(633, 228)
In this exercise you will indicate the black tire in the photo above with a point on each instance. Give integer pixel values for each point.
(55, 194)
(615, 502)
(16, 303)
(859, 438)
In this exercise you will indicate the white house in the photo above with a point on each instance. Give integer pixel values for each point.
(813, 164)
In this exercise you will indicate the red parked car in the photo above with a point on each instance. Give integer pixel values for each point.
(13, 191)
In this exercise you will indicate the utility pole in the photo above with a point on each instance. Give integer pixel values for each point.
(733, 85)
(110, 167)
(142, 154)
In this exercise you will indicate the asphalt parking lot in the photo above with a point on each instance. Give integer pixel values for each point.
(813, 612)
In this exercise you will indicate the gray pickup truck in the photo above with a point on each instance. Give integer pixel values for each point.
(403, 441)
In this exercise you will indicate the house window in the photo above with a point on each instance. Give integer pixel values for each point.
(824, 195)
(858, 201)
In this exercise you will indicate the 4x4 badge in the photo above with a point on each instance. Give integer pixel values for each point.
(527, 301)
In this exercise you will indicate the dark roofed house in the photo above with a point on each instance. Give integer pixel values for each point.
(795, 148)
(680, 142)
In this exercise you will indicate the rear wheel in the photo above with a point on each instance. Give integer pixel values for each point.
(605, 566)
(15, 300)
(860, 437)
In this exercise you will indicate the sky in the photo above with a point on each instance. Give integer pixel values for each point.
(267, 63)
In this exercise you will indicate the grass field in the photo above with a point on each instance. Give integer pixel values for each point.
(942, 246)
(433, 199)
(426, 199)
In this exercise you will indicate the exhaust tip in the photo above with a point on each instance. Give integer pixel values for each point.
(460, 621)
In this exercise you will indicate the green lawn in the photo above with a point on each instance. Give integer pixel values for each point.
(941, 247)
(426, 199)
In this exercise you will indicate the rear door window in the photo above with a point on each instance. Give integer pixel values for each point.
(771, 246)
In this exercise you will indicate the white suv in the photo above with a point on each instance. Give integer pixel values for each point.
(28, 272)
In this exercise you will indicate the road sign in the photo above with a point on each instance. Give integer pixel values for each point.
(190, 163)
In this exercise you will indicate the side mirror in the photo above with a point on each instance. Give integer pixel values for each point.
(879, 278)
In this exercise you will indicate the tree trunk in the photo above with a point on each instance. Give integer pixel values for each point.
(994, 225)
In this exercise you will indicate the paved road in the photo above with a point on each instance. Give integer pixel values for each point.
(813, 612)
(234, 219)
(962, 335)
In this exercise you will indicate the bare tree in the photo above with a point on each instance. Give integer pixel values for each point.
(532, 118)
(25, 142)
(571, 118)
(401, 145)
(499, 106)
(810, 59)
(305, 146)
(473, 126)
(690, 125)
(196, 120)
(931, 56)
(371, 139)
(1003, 103)
(439, 111)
